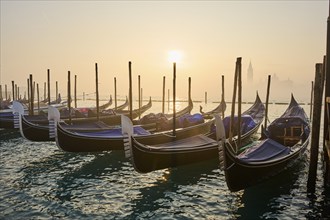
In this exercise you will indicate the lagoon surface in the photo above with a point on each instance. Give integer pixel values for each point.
(39, 181)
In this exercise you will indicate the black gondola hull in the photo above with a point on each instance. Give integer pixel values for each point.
(147, 161)
(252, 166)
(72, 142)
(148, 158)
(242, 175)
(34, 132)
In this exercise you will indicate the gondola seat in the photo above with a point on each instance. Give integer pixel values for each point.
(292, 135)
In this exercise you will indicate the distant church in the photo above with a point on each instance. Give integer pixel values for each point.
(250, 73)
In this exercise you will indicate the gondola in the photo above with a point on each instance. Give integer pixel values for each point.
(42, 130)
(7, 119)
(221, 108)
(97, 139)
(147, 157)
(284, 142)
(7, 115)
(122, 106)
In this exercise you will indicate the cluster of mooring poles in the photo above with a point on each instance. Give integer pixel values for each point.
(322, 76)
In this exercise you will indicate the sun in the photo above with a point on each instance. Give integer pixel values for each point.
(175, 56)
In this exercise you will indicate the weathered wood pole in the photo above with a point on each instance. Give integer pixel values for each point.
(314, 149)
(267, 100)
(223, 95)
(6, 93)
(189, 89)
(34, 91)
(69, 95)
(56, 92)
(189, 92)
(13, 89)
(16, 92)
(174, 99)
(326, 144)
(130, 90)
(38, 99)
(97, 92)
(31, 95)
(163, 98)
(75, 91)
(311, 102)
(115, 88)
(326, 135)
(48, 85)
(231, 127)
(115, 82)
(239, 108)
(139, 94)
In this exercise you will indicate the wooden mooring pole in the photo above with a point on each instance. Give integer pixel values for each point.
(311, 102)
(38, 99)
(314, 149)
(326, 134)
(29, 96)
(48, 82)
(97, 92)
(326, 142)
(231, 124)
(16, 92)
(189, 89)
(115, 82)
(32, 96)
(139, 94)
(13, 89)
(163, 99)
(223, 95)
(56, 92)
(69, 95)
(75, 91)
(6, 93)
(267, 101)
(130, 90)
(174, 97)
(239, 108)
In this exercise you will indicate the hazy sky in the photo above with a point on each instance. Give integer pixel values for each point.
(285, 38)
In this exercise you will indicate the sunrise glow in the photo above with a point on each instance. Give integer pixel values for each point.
(174, 56)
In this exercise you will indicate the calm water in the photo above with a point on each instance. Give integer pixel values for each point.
(40, 181)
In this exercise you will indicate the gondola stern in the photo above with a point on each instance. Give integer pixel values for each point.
(127, 132)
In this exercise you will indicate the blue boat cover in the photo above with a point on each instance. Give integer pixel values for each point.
(187, 120)
(153, 118)
(115, 132)
(247, 124)
(276, 128)
(265, 150)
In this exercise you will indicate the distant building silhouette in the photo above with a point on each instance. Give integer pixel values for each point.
(250, 73)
